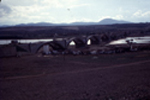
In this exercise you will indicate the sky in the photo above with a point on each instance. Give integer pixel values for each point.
(14, 12)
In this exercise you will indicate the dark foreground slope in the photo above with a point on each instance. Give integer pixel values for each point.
(103, 77)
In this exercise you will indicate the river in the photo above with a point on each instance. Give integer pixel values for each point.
(8, 41)
(120, 41)
(137, 40)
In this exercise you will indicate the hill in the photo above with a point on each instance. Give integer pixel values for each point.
(118, 30)
(107, 21)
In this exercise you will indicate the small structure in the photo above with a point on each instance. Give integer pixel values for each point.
(46, 49)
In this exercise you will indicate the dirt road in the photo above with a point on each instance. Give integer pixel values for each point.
(76, 72)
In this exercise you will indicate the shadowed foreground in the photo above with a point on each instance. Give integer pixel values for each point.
(104, 77)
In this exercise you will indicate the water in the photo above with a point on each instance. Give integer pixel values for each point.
(137, 40)
(4, 42)
(73, 43)
(120, 41)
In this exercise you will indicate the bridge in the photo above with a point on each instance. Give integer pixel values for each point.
(63, 44)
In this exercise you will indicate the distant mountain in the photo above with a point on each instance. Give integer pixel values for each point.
(37, 24)
(107, 21)
(112, 21)
(83, 23)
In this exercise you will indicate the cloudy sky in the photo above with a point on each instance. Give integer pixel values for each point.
(65, 11)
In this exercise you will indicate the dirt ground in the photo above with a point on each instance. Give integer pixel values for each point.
(94, 77)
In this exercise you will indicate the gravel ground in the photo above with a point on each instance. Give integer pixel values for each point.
(44, 78)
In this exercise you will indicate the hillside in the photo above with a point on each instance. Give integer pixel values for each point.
(19, 32)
